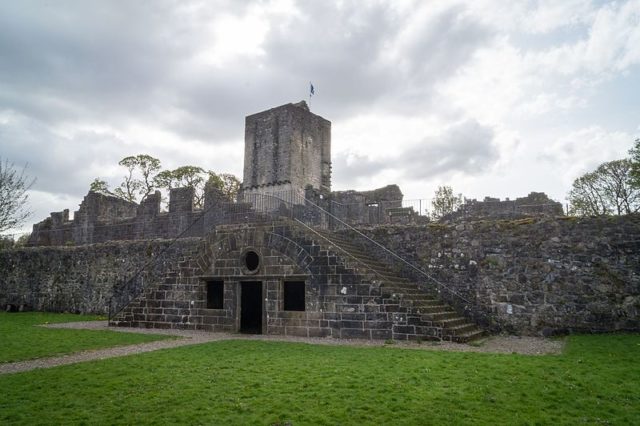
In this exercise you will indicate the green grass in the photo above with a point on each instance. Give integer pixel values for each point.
(255, 382)
(21, 338)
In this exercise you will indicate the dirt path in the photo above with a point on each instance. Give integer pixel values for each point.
(494, 344)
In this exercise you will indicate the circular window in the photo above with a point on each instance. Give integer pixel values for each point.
(251, 261)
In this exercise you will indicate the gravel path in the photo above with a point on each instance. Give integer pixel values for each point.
(494, 344)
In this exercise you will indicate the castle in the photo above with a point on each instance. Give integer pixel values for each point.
(287, 159)
(293, 257)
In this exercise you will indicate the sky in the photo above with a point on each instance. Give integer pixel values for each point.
(494, 98)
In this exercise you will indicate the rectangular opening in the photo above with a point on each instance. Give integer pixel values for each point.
(251, 307)
(215, 294)
(293, 296)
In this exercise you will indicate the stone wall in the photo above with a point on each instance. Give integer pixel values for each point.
(83, 279)
(366, 207)
(102, 218)
(530, 276)
(535, 204)
(339, 301)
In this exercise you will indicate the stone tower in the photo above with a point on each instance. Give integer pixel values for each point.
(286, 148)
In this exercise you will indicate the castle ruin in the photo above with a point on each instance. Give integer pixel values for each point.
(292, 257)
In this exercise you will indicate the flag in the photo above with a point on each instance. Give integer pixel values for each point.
(311, 90)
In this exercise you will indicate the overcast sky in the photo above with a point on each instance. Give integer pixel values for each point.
(495, 98)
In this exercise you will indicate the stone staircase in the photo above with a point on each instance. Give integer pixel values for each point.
(405, 296)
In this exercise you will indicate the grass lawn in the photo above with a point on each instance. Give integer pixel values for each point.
(596, 381)
(21, 339)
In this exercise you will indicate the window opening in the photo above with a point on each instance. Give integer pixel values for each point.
(215, 294)
(252, 260)
(294, 296)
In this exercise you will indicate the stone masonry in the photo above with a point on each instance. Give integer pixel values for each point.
(287, 149)
(263, 264)
(102, 218)
(529, 276)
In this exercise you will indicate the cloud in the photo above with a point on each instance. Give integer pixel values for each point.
(417, 91)
(196, 69)
(61, 164)
(611, 44)
(349, 167)
(583, 150)
(467, 148)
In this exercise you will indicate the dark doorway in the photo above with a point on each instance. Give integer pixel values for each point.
(251, 307)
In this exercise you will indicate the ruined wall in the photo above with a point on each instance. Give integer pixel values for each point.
(287, 148)
(531, 276)
(534, 204)
(366, 207)
(82, 279)
(102, 218)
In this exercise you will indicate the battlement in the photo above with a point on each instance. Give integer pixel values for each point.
(103, 217)
(534, 204)
(287, 160)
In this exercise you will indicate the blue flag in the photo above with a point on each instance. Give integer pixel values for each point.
(311, 89)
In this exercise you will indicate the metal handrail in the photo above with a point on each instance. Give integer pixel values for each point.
(265, 206)
(451, 291)
(367, 267)
(236, 212)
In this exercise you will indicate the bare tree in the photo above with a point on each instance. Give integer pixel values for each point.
(607, 190)
(635, 164)
(14, 184)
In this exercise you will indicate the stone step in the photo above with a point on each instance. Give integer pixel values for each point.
(390, 291)
(460, 329)
(443, 315)
(401, 295)
(439, 307)
(349, 247)
(431, 302)
(358, 255)
(468, 337)
(453, 322)
(371, 263)
(355, 252)
(397, 283)
(416, 298)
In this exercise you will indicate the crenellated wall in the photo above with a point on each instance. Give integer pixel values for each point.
(535, 204)
(102, 218)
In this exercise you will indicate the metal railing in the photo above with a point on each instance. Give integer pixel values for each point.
(257, 208)
(384, 210)
(439, 284)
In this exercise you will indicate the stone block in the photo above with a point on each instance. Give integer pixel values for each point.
(355, 333)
